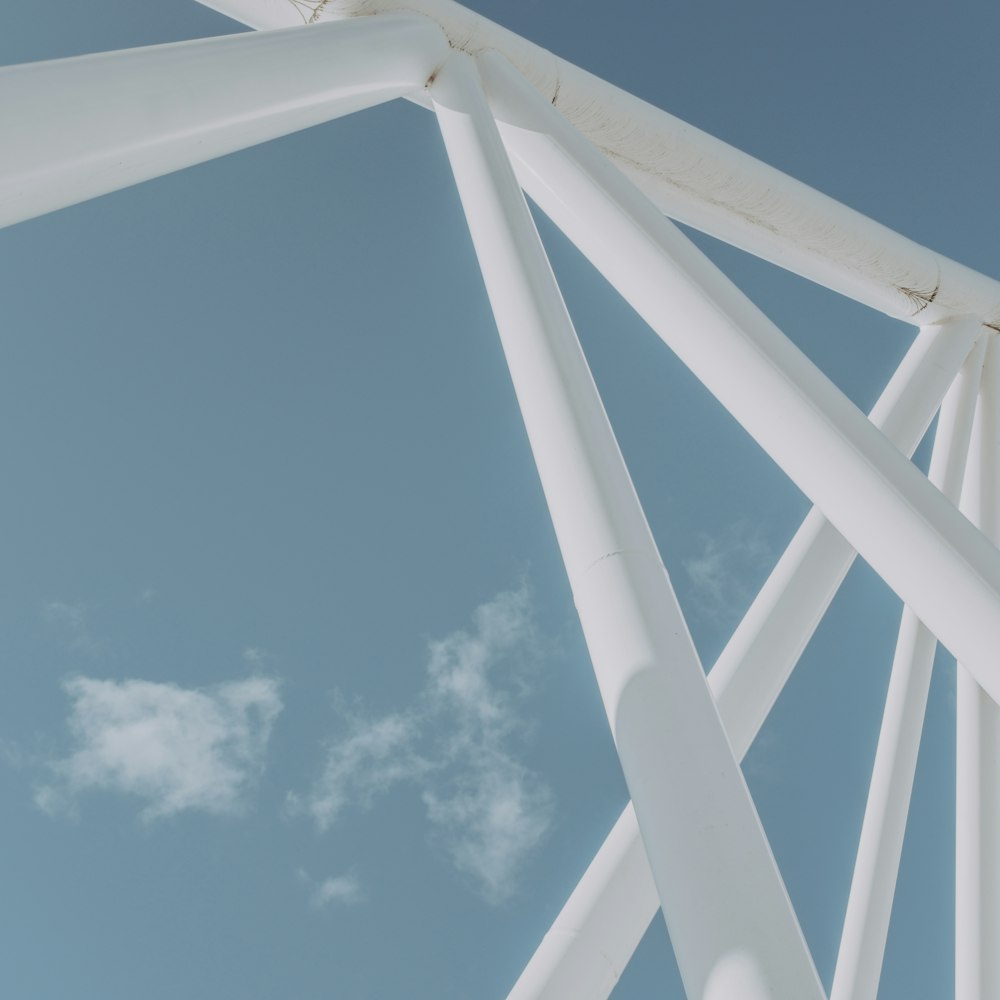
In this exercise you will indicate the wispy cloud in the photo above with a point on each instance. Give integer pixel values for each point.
(71, 621)
(345, 890)
(727, 571)
(458, 745)
(11, 754)
(375, 755)
(176, 749)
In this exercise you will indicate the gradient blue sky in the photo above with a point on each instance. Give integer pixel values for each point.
(281, 607)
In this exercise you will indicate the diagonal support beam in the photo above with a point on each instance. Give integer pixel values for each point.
(732, 925)
(924, 549)
(77, 128)
(599, 928)
(873, 885)
(977, 758)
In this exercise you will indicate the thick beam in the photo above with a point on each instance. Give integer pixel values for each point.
(873, 886)
(75, 128)
(729, 917)
(912, 536)
(604, 919)
(977, 778)
(698, 179)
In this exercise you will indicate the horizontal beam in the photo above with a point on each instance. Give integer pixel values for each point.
(71, 129)
(700, 180)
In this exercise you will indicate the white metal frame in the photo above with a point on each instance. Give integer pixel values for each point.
(608, 169)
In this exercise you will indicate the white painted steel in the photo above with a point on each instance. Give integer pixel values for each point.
(730, 920)
(977, 777)
(76, 128)
(869, 906)
(914, 539)
(759, 657)
(81, 127)
(608, 912)
(698, 179)
(595, 934)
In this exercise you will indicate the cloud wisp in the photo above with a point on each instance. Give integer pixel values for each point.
(344, 890)
(457, 744)
(177, 749)
(71, 620)
(726, 572)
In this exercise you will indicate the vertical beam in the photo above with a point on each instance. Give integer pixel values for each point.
(869, 906)
(603, 921)
(977, 779)
(729, 917)
(914, 539)
(76, 128)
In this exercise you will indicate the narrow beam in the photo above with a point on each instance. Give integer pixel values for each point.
(76, 128)
(873, 885)
(977, 777)
(925, 550)
(729, 917)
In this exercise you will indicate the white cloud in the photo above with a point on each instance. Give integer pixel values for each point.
(457, 744)
(344, 889)
(177, 749)
(490, 818)
(727, 572)
(11, 754)
(72, 621)
(371, 759)
(256, 656)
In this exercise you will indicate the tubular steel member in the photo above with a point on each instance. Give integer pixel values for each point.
(915, 540)
(590, 934)
(977, 758)
(729, 917)
(117, 118)
(698, 179)
(869, 906)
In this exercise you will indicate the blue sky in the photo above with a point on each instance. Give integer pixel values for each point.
(284, 622)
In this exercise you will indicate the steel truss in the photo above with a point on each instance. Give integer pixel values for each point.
(609, 170)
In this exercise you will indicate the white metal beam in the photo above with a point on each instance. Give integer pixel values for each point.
(729, 917)
(698, 179)
(977, 778)
(605, 917)
(596, 932)
(915, 540)
(76, 128)
(869, 906)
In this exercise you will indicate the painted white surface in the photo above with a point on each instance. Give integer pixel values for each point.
(912, 537)
(613, 904)
(77, 128)
(726, 908)
(977, 777)
(700, 180)
(873, 886)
